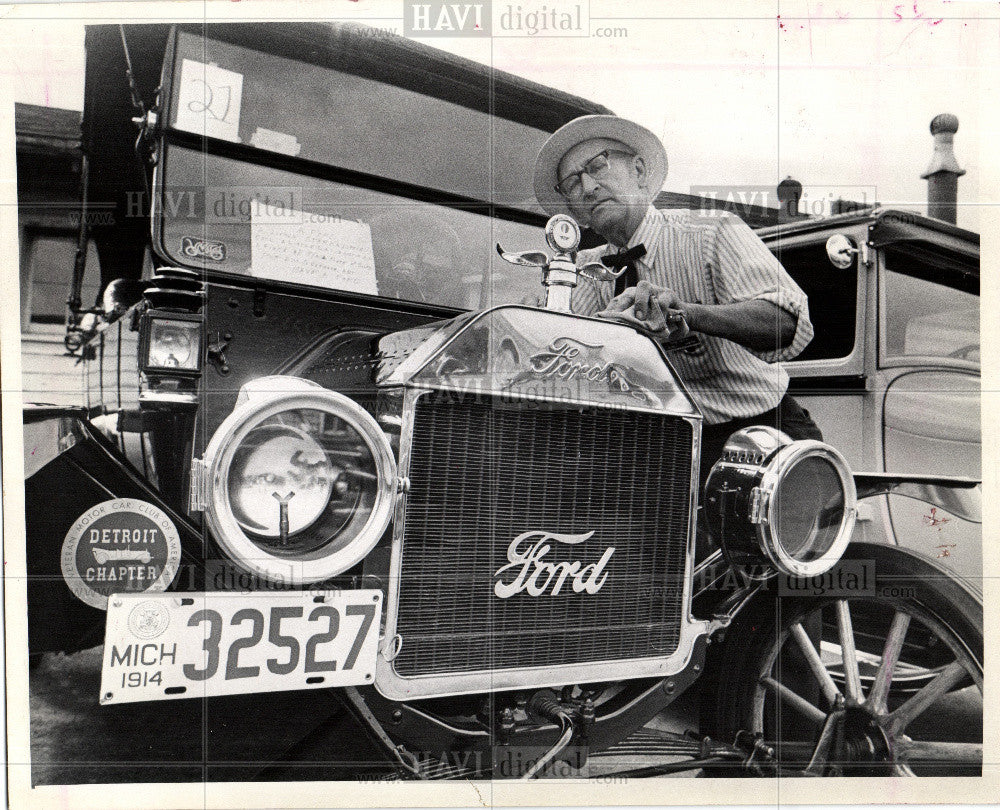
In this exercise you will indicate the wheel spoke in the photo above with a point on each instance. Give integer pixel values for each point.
(852, 676)
(818, 761)
(830, 691)
(915, 752)
(926, 697)
(890, 655)
(794, 701)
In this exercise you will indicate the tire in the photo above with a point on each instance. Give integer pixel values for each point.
(935, 617)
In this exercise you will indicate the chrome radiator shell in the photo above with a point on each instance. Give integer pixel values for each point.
(402, 685)
(448, 631)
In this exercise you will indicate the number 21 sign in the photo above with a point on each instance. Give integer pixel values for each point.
(208, 100)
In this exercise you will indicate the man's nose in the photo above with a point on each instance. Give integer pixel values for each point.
(588, 184)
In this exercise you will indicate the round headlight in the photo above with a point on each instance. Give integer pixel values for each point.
(777, 505)
(301, 481)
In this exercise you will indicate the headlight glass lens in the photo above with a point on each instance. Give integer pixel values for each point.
(310, 465)
(808, 509)
(173, 345)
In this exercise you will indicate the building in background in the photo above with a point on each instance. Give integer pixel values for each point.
(48, 199)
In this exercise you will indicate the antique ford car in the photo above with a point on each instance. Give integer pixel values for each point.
(333, 438)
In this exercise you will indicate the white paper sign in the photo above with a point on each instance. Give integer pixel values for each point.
(309, 249)
(275, 141)
(209, 100)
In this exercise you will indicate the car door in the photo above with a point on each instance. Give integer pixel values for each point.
(829, 378)
(928, 369)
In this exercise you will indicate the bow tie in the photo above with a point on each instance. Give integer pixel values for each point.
(629, 259)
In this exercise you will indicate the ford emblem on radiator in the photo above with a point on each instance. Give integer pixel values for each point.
(534, 575)
(566, 359)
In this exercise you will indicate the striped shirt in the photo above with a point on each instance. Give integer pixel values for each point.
(712, 257)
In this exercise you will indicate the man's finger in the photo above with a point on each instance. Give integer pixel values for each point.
(621, 302)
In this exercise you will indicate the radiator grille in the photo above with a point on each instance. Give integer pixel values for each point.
(483, 472)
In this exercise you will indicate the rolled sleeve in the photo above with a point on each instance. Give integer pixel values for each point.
(796, 304)
(744, 269)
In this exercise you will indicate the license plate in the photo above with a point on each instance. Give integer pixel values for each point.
(166, 646)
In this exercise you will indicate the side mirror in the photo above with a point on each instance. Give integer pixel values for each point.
(841, 251)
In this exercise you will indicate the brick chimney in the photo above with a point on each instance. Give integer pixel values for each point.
(943, 173)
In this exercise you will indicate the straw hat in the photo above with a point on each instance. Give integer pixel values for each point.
(643, 142)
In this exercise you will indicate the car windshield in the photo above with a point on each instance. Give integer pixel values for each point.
(314, 176)
(275, 225)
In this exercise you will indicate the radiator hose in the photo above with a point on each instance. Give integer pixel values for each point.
(544, 704)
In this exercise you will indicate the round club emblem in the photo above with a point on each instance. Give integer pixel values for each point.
(562, 233)
(148, 619)
(120, 546)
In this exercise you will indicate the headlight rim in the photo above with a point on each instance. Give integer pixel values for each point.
(218, 457)
(778, 466)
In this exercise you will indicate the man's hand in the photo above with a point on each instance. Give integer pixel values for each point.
(758, 325)
(654, 308)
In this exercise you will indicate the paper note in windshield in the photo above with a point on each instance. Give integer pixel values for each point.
(304, 249)
(209, 100)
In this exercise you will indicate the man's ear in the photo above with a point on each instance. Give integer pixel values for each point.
(640, 171)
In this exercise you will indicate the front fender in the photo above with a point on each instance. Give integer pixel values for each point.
(69, 468)
(962, 497)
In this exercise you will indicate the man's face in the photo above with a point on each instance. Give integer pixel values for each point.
(604, 202)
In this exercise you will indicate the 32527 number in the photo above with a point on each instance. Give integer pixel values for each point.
(326, 617)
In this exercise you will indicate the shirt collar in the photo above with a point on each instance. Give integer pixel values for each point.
(648, 231)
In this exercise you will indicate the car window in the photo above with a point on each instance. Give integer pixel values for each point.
(833, 300)
(925, 318)
(46, 274)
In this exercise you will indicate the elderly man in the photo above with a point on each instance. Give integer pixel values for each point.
(703, 272)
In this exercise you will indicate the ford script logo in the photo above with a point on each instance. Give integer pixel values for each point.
(535, 576)
(203, 249)
(563, 360)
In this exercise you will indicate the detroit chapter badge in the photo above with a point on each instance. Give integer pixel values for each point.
(120, 546)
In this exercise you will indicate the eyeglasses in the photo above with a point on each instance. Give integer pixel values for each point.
(596, 167)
